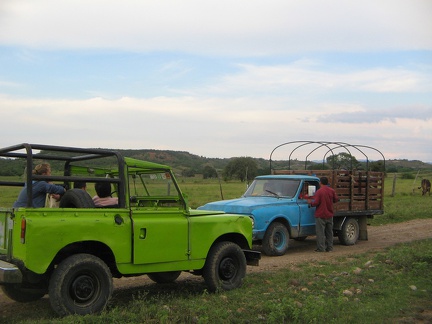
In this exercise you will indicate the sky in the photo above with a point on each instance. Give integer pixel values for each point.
(218, 78)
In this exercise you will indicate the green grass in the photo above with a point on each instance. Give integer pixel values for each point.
(404, 202)
(369, 288)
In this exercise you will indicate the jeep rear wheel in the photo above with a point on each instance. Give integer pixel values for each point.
(225, 267)
(22, 294)
(276, 239)
(81, 284)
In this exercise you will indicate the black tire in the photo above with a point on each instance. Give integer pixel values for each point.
(76, 198)
(275, 240)
(81, 284)
(349, 233)
(21, 294)
(164, 277)
(225, 267)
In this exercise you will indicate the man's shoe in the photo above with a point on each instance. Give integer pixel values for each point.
(318, 250)
(329, 250)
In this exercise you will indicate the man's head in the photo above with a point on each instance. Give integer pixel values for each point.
(103, 189)
(324, 181)
(80, 185)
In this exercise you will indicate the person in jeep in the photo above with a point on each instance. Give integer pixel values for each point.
(103, 197)
(40, 189)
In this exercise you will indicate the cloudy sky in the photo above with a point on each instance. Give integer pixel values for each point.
(217, 78)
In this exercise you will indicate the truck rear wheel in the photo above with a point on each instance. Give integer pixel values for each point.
(275, 240)
(21, 294)
(349, 233)
(225, 267)
(81, 284)
(164, 277)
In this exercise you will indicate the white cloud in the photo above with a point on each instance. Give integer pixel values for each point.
(255, 27)
(210, 127)
(289, 78)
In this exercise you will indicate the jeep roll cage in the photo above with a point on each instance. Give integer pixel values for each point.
(69, 155)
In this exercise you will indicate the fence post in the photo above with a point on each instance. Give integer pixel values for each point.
(394, 185)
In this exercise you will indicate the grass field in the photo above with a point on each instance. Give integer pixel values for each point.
(406, 203)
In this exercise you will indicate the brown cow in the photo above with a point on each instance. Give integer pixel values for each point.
(425, 186)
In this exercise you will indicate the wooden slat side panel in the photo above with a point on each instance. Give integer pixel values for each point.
(357, 190)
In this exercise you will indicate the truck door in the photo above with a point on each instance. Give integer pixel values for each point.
(307, 214)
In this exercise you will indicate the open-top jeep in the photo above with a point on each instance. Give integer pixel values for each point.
(73, 251)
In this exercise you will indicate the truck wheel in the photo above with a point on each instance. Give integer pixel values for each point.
(225, 267)
(76, 198)
(164, 277)
(81, 284)
(23, 295)
(349, 233)
(275, 240)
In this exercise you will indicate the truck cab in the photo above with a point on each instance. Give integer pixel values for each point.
(278, 207)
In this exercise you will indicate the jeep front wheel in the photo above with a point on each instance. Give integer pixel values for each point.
(81, 284)
(225, 267)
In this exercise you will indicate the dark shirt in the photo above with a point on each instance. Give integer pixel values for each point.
(39, 191)
(323, 201)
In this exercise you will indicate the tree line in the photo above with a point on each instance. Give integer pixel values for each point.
(238, 168)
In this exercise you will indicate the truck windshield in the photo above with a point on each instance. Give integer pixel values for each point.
(273, 187)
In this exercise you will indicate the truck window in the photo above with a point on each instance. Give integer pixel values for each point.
(273, 187)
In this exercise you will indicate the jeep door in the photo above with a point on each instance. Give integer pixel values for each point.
(160, 223)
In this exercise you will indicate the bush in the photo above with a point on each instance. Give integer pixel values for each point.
(407, 175)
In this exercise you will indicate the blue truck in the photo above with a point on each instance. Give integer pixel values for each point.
(278, 206)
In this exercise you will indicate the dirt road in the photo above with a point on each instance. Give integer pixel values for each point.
(380, 237)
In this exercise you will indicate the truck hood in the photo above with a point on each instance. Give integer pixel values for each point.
(244, 205)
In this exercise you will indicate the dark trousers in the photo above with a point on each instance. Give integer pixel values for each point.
(324, 233)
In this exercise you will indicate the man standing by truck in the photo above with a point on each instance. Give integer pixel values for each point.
(323, 200)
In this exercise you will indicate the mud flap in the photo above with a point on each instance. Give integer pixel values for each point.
(252, 257)
(363, 234)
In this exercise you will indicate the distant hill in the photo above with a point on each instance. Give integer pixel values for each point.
(182, 161)
(407, 165)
